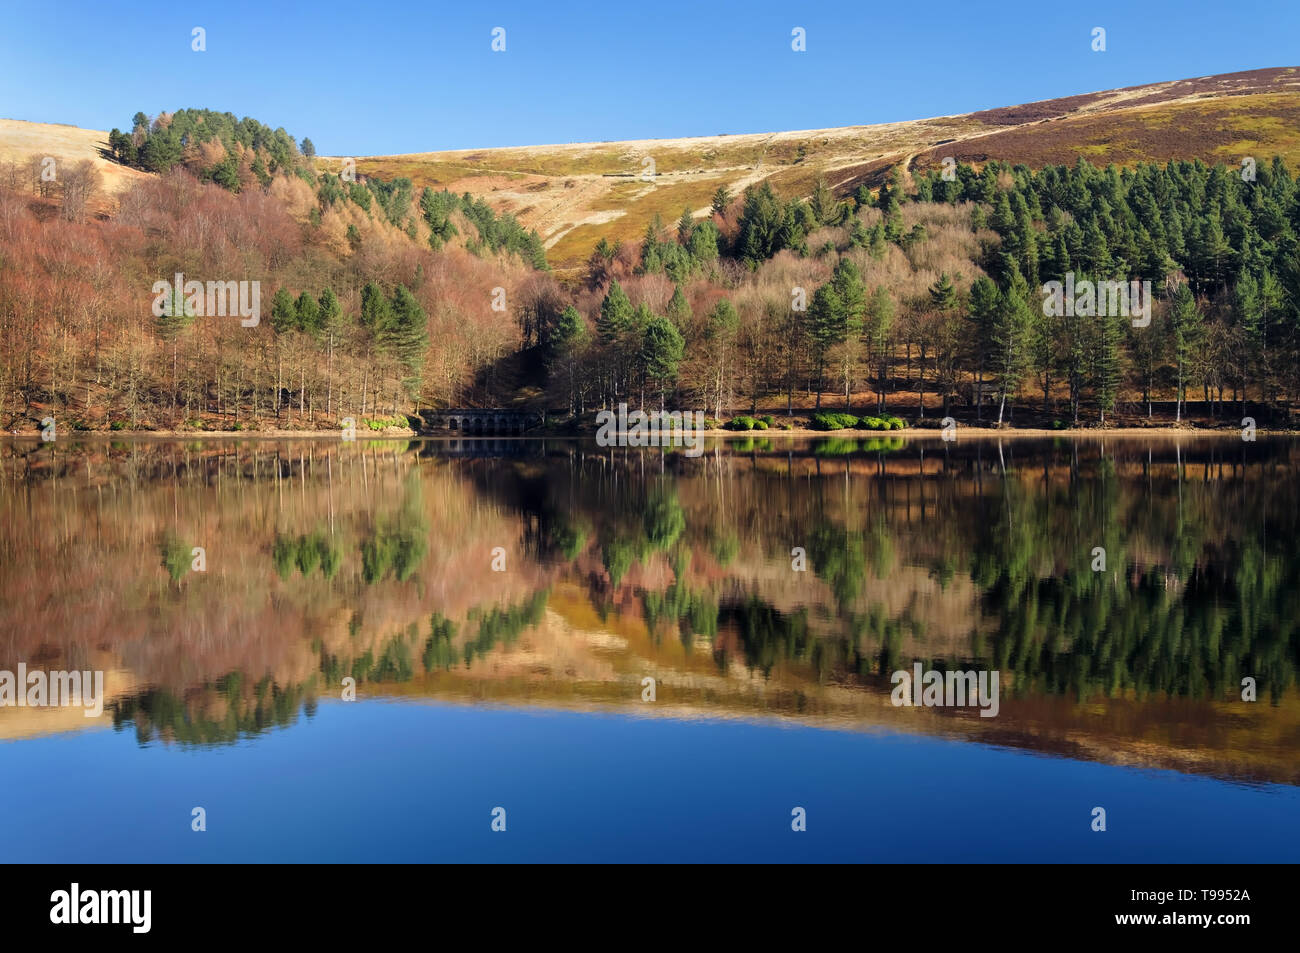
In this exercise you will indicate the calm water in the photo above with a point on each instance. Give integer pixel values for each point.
(499, 604)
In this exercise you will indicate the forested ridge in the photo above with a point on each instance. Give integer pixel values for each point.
(919, 294)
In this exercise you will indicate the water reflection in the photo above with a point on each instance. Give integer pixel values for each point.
(554, 574)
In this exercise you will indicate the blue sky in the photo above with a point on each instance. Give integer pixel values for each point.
(413, 75)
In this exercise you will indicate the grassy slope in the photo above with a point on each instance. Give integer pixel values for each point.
(576, 194)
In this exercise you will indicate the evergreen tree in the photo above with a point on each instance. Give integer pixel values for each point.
(879, 329)
(615, 314)
(284, 314)
(721, 199)
(406, 336)
(983, 317)
(307, 314)
(825, 329)
(376, 310)
(685, 225)
(762, 226)
(567, 338)
(1010, 334)
(679, 309)
(1186, 328)
(662, 349)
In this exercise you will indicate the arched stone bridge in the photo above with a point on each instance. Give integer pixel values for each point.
(481, 421)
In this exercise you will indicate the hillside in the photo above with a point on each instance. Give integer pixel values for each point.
(841, 268)
(19, 141)
(577, 193)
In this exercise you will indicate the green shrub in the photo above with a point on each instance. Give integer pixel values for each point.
(833, 421)
(117, 425)
(873, 423)
(1058, 424)
(760, 425)
(896, 423)
(740, 423)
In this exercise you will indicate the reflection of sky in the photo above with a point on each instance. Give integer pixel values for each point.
(378, 781)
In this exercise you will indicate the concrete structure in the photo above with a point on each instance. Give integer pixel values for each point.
(471, 421)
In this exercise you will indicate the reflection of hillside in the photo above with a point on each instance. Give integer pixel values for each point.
(326, 561)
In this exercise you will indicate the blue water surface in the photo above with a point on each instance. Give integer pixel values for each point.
(378, 781)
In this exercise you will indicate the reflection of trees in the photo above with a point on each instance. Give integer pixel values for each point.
(664, 519)
(1085, 633)
(617, 555)
(1191, 627)
(1201, 585)
(159, 713)
(438, 651)
(306, 554)
(694, 612)
(175, 557)
(398, 543)
(837, 557)
(768, 636)
(498, 626)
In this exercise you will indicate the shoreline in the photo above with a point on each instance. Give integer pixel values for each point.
(966, 432)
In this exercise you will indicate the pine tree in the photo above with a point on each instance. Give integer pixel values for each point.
(825, 329)
(943, 297)
(376, 310)
(721, 327)
(662, 349)
(1106, 360)
(406, 336)
(331, 326)
(985, 303)
(284, 314)
(565, 344)
(1012, 319)
(615, 314)
(1185, 322)
(764, 229)
(679, 309)
(685, 225)
(880, 329)
(721, 199)
(1096, 252)
(307, 314)
(612, 328)
(823, 205)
